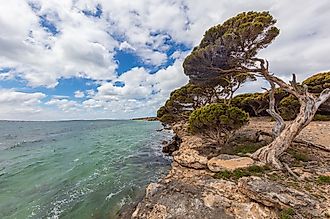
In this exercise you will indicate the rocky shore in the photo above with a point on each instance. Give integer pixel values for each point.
(209, 181)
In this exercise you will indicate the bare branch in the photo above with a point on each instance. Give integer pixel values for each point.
(324, 96)
(279, 122)
(290, 171)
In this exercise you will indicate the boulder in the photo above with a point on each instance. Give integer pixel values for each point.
(190, 158)
(228, 162)
(173, 145)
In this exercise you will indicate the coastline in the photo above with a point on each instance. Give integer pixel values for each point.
(190, 189)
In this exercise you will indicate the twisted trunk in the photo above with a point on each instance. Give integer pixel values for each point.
(309, 104)
(279, 122)
(270, 153)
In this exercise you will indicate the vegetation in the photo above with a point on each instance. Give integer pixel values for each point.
(289, 107)
(324, 179)
(242, 172)
(298, 155)
(287, 213)
(318, 82)
(319, 117)
(224, 60)
(217, 121)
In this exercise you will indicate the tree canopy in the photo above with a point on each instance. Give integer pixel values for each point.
(230, 48)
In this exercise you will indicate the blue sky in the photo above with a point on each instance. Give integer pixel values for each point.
(96, 59)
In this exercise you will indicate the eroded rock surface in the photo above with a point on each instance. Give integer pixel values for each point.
(228, 162)
(274, 194)
(191, 191)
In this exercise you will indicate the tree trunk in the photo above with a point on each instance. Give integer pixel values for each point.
(270, 153)
(279, 122)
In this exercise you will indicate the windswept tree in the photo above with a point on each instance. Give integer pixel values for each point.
(231, 48)
(184, 100)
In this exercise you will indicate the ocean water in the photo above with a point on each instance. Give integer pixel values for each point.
(77, 169)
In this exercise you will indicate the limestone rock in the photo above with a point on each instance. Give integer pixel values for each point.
(190, 158)
(273, 194)
(152, 189)
(228, 162)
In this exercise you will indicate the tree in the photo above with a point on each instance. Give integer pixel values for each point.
(226, 51)
(231, 48)
(217, 121)
(184, 100)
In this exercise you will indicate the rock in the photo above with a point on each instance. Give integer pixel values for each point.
(152, 189)
(228, 162)
(190, 158)
(172, 146)
(246, 135)
(265, 138)
(273, 194)
(176, 199)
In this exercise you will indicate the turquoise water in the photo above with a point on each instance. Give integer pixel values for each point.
(76, 169)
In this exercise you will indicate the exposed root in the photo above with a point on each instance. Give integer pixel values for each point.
(290, 171)
(310, 144)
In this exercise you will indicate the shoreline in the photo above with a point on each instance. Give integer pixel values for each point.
(190, 190)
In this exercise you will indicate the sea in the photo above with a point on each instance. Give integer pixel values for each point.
(77, 169)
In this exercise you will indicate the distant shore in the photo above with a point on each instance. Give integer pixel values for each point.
(146, 118)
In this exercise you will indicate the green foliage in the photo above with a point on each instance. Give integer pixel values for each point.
(228, 48)
(289, 107)
(225, 174)
(287, 213)
(323, 179)
(319, 117)
(298, 155)
(217, 121)
(318, 82)
(253, 170)
(257, 103)
(246, 149)
(184, 100)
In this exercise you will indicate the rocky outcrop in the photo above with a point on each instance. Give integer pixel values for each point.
(273, 194)
(190, 158)
(228, 162)
(191, 191)
(173, 145)
(195, 194)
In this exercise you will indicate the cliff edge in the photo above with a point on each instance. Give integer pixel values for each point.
(210, 181)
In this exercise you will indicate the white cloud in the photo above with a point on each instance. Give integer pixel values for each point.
(79, 94)
(64, 104)
(15, 103)
(85, 47)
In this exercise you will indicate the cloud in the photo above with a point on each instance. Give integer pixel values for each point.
(79, 94)
(80, 39)
(13, 103)
(64, 104)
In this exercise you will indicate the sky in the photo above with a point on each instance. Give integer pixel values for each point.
(120, 59)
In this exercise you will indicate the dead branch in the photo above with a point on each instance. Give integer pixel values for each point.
(310, 144)
(290, 171)
(279, 121)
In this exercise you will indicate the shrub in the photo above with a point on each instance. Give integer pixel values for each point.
(319, 117)
(324, 179)
(318, 82)
(236, 174)
(217, 121)
(289, 107)
(287, 213)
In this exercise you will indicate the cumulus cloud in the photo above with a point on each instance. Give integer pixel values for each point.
(64, 39)
(79, 94)
(13, 103)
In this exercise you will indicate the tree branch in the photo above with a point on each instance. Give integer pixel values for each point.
(324, 96)
(279, 122)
